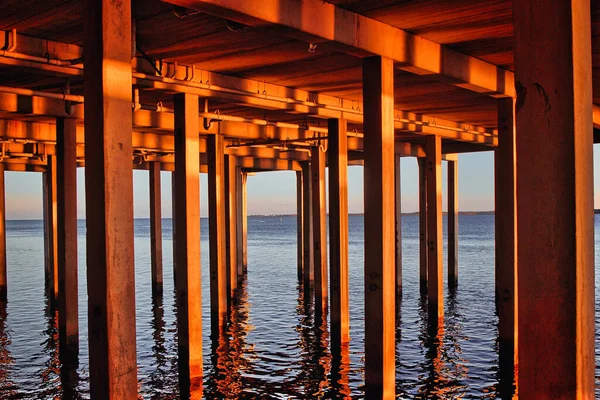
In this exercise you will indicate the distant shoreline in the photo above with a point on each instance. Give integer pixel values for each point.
(293, 215)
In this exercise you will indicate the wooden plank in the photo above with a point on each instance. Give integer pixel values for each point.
(506, 241)
(555, 199)
(453, 223)
(216, 225)
(435, 260)
(309, 262)
(398, 223)
(231, 224)
(300, 223)
(318, 21)
(68, 296)
(3, 270)
(423, 251)
(338, 232)
(378, 95)
(156, 229)
(50, 228)
(188, 270)
(109, 200)
(319, 225)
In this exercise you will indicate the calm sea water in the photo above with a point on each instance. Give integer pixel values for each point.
(275, 350)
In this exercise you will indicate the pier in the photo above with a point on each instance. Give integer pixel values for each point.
(229, 88)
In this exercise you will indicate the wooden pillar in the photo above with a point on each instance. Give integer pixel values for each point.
(398, 220)
(231, 224)
(215, 149)
(109, 200)
(156, 229)
(422, 223)
(309, 262)
(173, 226)
(506, 234)
(435, 266)
(338, 231)
(66, 178)
(300, 223)
(452, 223)
(378, 100)
(319, 217)
(187, 214)
(555, 204)
(50, 228)
(3, 274)
(240, 189)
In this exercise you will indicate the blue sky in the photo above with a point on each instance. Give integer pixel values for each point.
(275, 192)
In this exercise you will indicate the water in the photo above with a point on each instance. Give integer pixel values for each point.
(274, 348)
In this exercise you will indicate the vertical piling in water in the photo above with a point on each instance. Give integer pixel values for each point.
(241, 223)
(555, 198)
(156, 229)
(50, 226)
(109, 200)
(338, 231)
(3, 274)
(435, 267)
(378, 100)
(423, 252)
(66, 179)
(215, 149)
(187, 214)
(398, 223)
(452, 223)
(231, 224)
(506, 242)
(319, 216)
(309, 270)
(173, 226)
(300, 224)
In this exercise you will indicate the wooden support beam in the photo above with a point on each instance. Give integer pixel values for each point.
(452, 223)
(319, 225)
(300, 223)
(309, 246)
(68, 295)
(423, 250)
(398, 223)
(109, 200)
(435, 260)
(231, 224)
(378, 99)
(50, 228)
(242, 222)
(555, 200)
(352, 33)
(216, 225)
(244, 209)
(506, 242)
(156, 258)
(338, 232)
(173, 224)
(187, 263)
(3, 271)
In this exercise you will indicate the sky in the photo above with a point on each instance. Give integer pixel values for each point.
(275, 192)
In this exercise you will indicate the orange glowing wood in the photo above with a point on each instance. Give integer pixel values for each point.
(378, 95)
(555, 201)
